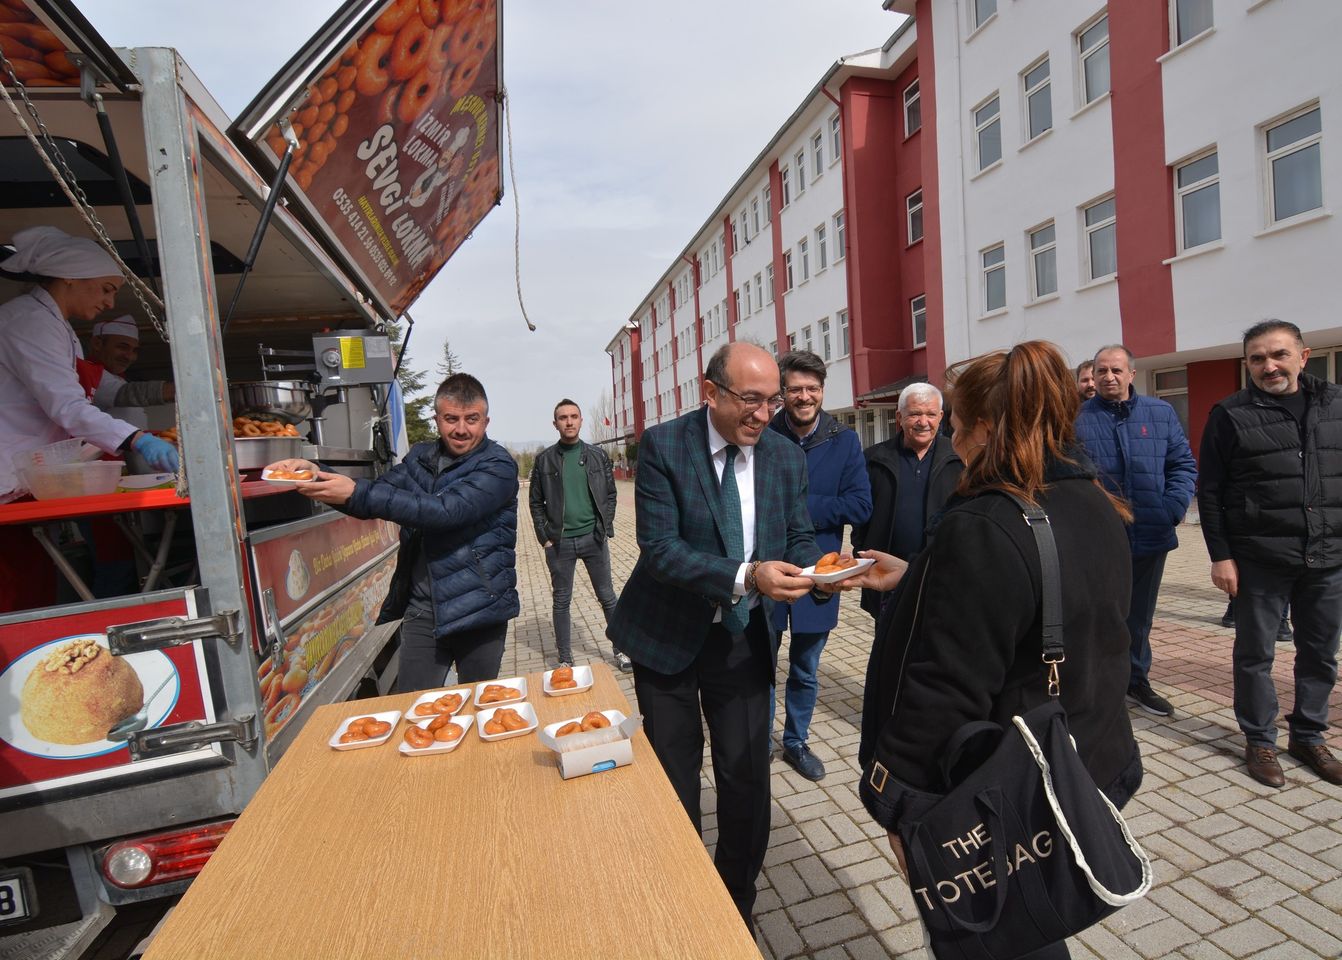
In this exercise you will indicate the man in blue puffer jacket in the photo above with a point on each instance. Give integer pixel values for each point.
(1144, 457)
(455, 587)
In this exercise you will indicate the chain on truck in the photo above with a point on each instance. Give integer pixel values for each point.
(268, 261)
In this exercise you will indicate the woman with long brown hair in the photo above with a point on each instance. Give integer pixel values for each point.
(960, 642)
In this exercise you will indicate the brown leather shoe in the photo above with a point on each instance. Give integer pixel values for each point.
(1318, 758)
(1263, 765)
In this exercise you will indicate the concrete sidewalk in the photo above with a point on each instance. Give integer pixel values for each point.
(1242, 870)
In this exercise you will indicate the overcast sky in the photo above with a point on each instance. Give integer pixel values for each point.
(630, 122)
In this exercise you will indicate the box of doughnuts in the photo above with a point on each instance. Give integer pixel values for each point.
(598, 741)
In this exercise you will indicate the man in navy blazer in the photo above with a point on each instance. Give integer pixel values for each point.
(717, 548)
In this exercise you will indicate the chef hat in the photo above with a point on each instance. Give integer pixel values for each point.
(120, 327)
(51, 252)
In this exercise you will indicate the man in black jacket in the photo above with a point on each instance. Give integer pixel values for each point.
(912, 476)
(1271, 505)
(573, 509)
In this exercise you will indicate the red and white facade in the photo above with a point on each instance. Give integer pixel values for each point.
(1084, 174)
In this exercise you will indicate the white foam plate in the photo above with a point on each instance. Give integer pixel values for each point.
(432, 695)
(614, 716)
(519, 683)
(463, 722)
(583, 676)
(836, 577)
(390, 716)
(265, 475)
(527, 711)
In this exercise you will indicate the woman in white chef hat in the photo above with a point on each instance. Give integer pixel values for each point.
(41, 399)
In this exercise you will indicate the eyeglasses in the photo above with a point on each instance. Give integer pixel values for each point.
(813, 391)
(751, 404)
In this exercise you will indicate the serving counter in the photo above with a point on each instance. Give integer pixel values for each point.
(483, 851)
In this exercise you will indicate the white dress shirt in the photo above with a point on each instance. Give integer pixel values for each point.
(744, 471)
(41, 400)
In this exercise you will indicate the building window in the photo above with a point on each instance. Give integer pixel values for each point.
(821, 250)
(835, 137)
(806, 337)
(1191, 17)
(918, 313)
(755, 213)
(817, 154)
(988, 133)
(759, 292)
(1101, 243)
(1038, 100)
(745, 225)
(824, 339)
(1197, 201)
(914, 220)
(839, 250)
(787, 270)
(993, 262)
(745, 298)
(736, 301)
(982, 11)
(843, 332)
(913, 110)
(1172, 387)
(769, 273)
(1092, 43)
(804, 250)
(717, 264)
(785, 178)
(1043, 261)
(792, 341)
(768, 200)
(1294, 181)
(799, 161)
(736, 240)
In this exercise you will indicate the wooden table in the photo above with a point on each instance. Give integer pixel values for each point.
(481, 852)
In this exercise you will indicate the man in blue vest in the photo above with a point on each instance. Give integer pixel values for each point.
(839, 493)
(1144, 457)
(1271, 506)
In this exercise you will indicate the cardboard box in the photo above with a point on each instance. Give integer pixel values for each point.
(578, 760)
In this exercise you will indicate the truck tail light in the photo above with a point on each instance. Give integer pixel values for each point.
(162, 857)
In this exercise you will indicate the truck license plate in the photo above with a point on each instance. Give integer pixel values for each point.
(16, 901)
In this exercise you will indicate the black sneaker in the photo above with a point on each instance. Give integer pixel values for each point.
(1228, 618)
(1284, 634)
(805, 762)
(1150, 701)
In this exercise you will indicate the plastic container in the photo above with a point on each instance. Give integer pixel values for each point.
(91, 479)
(54, 454)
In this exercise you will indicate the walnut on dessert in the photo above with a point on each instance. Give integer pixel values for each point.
(71, 657)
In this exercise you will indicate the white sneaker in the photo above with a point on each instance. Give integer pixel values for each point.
(624, 663)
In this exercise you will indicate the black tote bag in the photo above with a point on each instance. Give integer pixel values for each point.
(1024, 850)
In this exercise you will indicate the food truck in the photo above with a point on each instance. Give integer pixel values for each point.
(274, 252)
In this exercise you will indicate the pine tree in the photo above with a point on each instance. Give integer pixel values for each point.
(418, 418)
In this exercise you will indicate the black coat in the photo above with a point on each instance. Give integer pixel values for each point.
(547, 492)
(883, 472)
(1265, 495)
(966, 646)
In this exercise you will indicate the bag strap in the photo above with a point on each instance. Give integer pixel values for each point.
(1051, 574)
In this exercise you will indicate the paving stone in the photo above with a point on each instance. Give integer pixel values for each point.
(1215, 825)
(819, 908)
(853, 853)
(1162, 849)
(905, 942)
(780, 934)
(867, 948)
(819, 835)
(1206, 950)
(1283, 872)
(1246, 937)
(869, 871)
(786, 883)
(1104, 943)
(1159, 938)
(1301, 931)
(1209, 900)
(816, 876)
(1184, 910)
(837, 930)
(844, 828)
(1260, 893)
(873, 906)
(1329, 894)
(831, 953)
(1227, 874)
(1324, 919)
(1242, 840)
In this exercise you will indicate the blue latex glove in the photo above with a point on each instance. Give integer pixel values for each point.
(160, 454)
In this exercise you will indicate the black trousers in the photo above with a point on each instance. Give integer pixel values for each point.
(730, 683)
(425, 660)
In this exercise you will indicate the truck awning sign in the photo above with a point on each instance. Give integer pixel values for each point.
(396, 107)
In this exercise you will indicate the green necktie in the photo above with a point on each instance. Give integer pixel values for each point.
(734, 616)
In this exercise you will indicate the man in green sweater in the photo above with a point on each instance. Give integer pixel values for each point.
(573, 509)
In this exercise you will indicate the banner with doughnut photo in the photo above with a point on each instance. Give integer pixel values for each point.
(37, 40)
(395, 105)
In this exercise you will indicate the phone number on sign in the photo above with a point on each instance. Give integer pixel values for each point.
(371, 236)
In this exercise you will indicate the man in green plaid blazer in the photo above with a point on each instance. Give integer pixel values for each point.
(718, 547)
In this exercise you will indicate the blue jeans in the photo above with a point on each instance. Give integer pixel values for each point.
(562, 557)
(1316, 609)
(803, 685)
(1146, 574)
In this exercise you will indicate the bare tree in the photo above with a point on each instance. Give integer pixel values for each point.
(601, 418)
(450, 363)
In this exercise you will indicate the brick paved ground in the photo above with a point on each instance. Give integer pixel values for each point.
(1242, 870)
